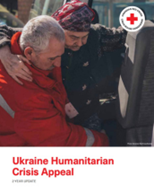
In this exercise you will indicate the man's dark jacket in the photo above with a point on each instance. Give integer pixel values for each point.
(84, 72)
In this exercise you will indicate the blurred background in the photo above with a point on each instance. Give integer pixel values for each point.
(17, 12)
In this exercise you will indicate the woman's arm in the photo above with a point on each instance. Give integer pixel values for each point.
(14, 64)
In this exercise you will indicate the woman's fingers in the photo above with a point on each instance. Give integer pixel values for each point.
(20, 67)
(14, 65)
(23, 75)
(20, 57)
(16, 79)
(16, 68)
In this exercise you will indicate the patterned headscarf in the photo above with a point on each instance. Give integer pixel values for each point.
(75, 16)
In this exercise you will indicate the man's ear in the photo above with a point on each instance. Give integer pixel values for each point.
(29, 53)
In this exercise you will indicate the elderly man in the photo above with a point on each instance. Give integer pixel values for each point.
(83, 64)
(34, 114)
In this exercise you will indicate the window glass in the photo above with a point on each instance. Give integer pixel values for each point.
(109, 10)
(45, 7)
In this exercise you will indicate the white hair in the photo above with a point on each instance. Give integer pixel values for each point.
(38, 31)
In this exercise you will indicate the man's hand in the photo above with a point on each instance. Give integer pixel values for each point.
(14, 65)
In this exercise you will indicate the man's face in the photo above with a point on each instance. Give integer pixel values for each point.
(50, 57)
(74, 40)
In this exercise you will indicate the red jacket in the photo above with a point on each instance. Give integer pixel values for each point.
(33, 114)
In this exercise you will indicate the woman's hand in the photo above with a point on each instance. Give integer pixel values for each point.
(14, 65)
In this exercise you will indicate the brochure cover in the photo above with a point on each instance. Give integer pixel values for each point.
(76, 96)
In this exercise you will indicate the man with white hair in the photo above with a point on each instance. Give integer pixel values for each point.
(34, 114)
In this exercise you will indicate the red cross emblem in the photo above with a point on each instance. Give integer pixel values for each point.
(132, 18)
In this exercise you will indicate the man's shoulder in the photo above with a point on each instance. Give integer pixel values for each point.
(4, 77)
(18, 93)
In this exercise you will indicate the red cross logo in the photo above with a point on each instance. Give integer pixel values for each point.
(132, 18)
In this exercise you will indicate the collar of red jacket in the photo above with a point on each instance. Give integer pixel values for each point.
(40, 76)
